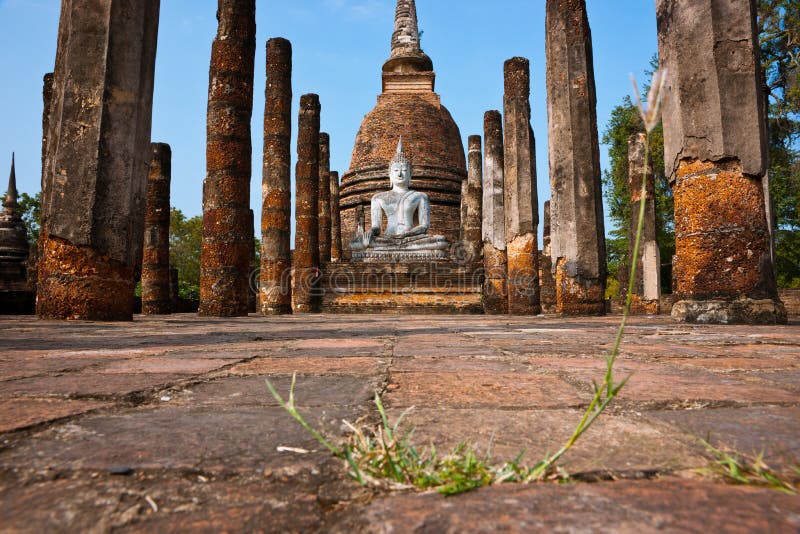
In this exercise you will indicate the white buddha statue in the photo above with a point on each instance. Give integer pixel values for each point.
(407, 218)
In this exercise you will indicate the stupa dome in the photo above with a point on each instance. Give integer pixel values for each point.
(408, 107)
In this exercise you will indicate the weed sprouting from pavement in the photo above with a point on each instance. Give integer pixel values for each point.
(381, 456)
(738, 468)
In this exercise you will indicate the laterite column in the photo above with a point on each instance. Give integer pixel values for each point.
(579, 249)
(155, 260)
(276, 193)
(98, 155)
(336, 219)
(521, 204)
(495, 263)
(324, 201)
(473, 241)
(306, 244)
(715, 151)
(225, 258)
(647, 283)
(547, 281)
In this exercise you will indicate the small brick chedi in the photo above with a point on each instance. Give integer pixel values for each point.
(15, 294)
(715, 152)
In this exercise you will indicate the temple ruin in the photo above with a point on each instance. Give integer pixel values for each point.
(411, 227)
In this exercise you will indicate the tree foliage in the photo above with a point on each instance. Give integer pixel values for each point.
(185, 241)
(31, 209)
(779, 39)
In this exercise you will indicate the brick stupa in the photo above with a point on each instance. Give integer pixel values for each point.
(410, 108)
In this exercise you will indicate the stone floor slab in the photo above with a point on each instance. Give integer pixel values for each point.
(622, 507)
(16, 414)
(479, 389)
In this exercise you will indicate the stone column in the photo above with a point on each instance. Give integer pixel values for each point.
(579, 251)
(47, 101)
(174, 290)
(276, 259)
(715, 151)
(252, 289)
(225, 258)
(336, 219)
(547, 281)
(95, 175)
(473, 242)
(36, 253)
(155, 259)
(495, 263)
(647, 283)
(521, 204)
(324, 201)
(306, 244)
(464, 194)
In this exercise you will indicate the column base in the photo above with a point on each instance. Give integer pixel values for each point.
(740, 311)
(78, 283)
(575, 295)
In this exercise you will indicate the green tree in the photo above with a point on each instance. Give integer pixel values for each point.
(185, 241)
(779, 39)
(31, 209)
(626, 121)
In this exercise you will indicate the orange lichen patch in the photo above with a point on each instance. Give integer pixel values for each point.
(640, 306)
(228, 154)
(77, 282)
(230, 121)
(722, 242)
(523, 276)
(576, 296)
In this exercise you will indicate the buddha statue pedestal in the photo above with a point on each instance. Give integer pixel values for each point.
(407, 212)
(400, 268)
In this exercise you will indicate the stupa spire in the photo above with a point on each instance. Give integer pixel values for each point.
(10, 202)
(405, 39)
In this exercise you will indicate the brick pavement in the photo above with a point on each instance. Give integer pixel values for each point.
(178, 404)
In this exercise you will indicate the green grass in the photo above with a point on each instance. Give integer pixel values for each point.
(737, 468)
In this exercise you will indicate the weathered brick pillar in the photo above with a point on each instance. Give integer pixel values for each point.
(306, 244)
(276, 213)
(36, 252)
(463, 215)
(155, 258)
(47, 101)
(225, 258)
(473, 239)
(336, 219)
(252, 277)
(579, 250)
(547, 281)
(715, 150)
(521, 204)
(495, 264)
(324, 201)
(98, 142)
(174, 290)
(647, 283)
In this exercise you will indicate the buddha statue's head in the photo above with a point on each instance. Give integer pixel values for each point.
(400, 168)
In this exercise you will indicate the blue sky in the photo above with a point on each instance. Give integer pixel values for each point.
(339, 47)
